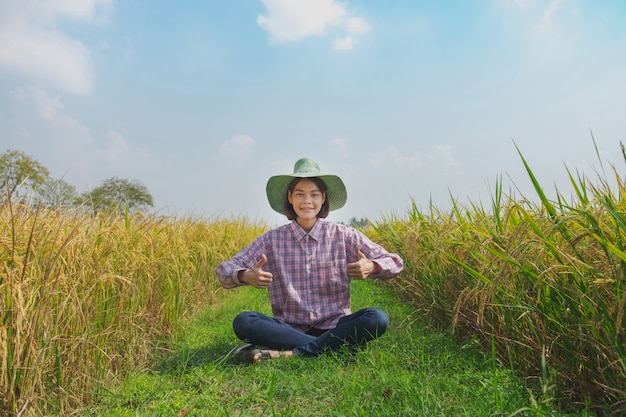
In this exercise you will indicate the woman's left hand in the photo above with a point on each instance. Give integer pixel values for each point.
(362, 268)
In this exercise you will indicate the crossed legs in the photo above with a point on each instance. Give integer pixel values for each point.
(351, 331)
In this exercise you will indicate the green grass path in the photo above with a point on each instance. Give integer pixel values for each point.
(410, 371)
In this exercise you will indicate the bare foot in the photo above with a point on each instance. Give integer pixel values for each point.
(271, 354)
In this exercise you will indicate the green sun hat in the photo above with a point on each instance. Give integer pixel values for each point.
(277, 185)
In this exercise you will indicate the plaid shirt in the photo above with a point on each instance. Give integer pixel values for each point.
(310, 285)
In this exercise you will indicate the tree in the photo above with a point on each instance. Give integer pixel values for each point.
(57, 194)
(359, 223)
(119, 194)
(18, 170)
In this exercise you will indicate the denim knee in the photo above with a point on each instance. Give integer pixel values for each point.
(378, 321)
(243, 322)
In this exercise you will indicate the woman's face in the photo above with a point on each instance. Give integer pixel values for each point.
(306, 199)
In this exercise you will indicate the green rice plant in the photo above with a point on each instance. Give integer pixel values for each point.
(526, 276)
(84, 298)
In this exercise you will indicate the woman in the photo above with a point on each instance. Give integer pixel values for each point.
(306, 266)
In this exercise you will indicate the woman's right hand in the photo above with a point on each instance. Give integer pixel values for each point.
(256, 276)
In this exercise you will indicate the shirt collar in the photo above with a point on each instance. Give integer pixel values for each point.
(316, 232)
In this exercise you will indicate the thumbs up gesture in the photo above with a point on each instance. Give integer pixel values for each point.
(362, 268)
(256, 276)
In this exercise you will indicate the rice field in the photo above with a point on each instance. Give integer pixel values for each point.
(540, 282)
(83, 299)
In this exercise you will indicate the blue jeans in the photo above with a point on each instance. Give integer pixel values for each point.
(351, 331)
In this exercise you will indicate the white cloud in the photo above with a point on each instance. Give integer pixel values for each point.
(344, 43)
(47, 56)
(289, 20)
(384, 182)
(50, 11)
(32, 45)
(537, 14)
(118, 151)
(42, 128)
(50, 110)
(354, 26)
(518, 4)
(442, 153)
(238, 147)
(549, 12)
(357, 25)
(338, 148)
(392, 157)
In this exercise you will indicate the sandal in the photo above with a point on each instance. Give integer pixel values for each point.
(265, 355)
(242, 353)
(247, 352)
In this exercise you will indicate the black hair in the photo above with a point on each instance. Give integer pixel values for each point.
(288, 207)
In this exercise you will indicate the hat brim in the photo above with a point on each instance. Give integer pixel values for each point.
(276, 190)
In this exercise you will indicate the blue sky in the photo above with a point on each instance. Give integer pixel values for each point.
(202, 101)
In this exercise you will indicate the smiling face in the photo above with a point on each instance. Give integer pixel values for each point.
(307, 199)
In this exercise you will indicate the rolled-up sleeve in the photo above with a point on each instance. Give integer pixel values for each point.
(231, 279)
(228, 270)
(391, 263)
(391, 266)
